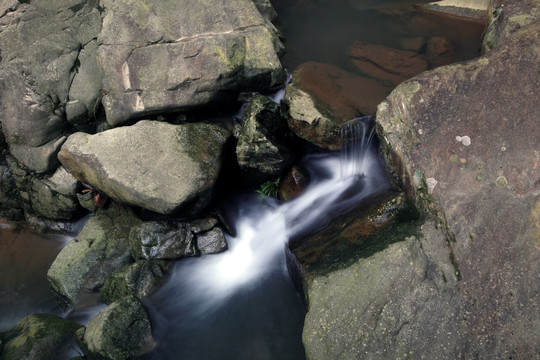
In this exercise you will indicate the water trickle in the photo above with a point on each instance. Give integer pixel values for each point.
(192, 308)
(356, 138)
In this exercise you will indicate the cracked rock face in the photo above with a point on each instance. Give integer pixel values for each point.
(154, 62)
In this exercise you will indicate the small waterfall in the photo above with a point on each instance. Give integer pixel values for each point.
(356, 138)
(238, 288)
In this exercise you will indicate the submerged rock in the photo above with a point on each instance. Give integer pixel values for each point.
(121, 331)
(157, 166)
(176, 55)
(85, 262)
(322, 97)
(38, 337)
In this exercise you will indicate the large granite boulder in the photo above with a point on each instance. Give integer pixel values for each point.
(154, 165)
(85, 262)
(121, 331)
(41, 42)
(463, 141)
(175, 55)
(38, 337)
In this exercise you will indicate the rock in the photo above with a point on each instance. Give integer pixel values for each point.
(371, 308)
(140, 279)
(40, 44)
(127, 164)
(119, 332)
(9, 198)
(352, 228)
(387, 64)
(211, 242)
(85, 262)
(38, 337)
(413, 44)
(293, 184)
(261, 149)
(322, 97)
(210, 53)
(153, 240)
(486, 194)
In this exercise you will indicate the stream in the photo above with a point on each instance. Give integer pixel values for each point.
(243, 304)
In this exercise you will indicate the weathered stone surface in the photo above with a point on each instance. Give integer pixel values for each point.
(261, 150)
(101, 247)
(121, 331)
(140, 279)
(38, 337)
(322, 97)
(38, 158)
(162, 241)
(293, 183)
(128, 164)
(40, 42)
(201, 53)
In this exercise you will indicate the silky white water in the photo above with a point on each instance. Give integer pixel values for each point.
(201, 289)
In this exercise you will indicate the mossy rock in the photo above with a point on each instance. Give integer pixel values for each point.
(37, 337)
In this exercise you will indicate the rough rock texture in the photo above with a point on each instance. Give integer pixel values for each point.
(322, 97)
(162, 241)
(40, 42)
(208, 48)
(38, 337)
(262, 148)
(128, 163)
(463, 141)
(121, 331)
(140, 279)
(85, 262)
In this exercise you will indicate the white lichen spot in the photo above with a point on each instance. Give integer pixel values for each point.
(465, 140)
(125, 76)
(420, 131)
(503, 148)
(431, 183)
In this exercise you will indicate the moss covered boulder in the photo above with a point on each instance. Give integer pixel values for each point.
(38, 337)
(119, 332)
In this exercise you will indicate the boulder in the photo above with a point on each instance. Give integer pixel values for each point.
(128, 163)
(211, 242)
(38, 337)
(173, 56)
(119, 332)
(322, 97)
(140, 279)
(462, 141)
(41, 42)
(293, 184)
(261, 150)
(85, 262)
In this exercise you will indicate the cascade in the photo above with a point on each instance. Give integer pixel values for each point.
(243, 280)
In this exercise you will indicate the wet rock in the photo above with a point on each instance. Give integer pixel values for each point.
(140, 279)
(386, 63)
(127, 164)
(121, 331)
(162, 241)
(212, 241)
(352, 228)
(322, 97)
(101, 247)
(293, 183)
(38, 337)
(40, 44)
(10, 207)
(210, 53)
(486, 192)
(440, 51)
(261, 150)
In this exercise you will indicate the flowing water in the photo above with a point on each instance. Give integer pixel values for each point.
(241, 304)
